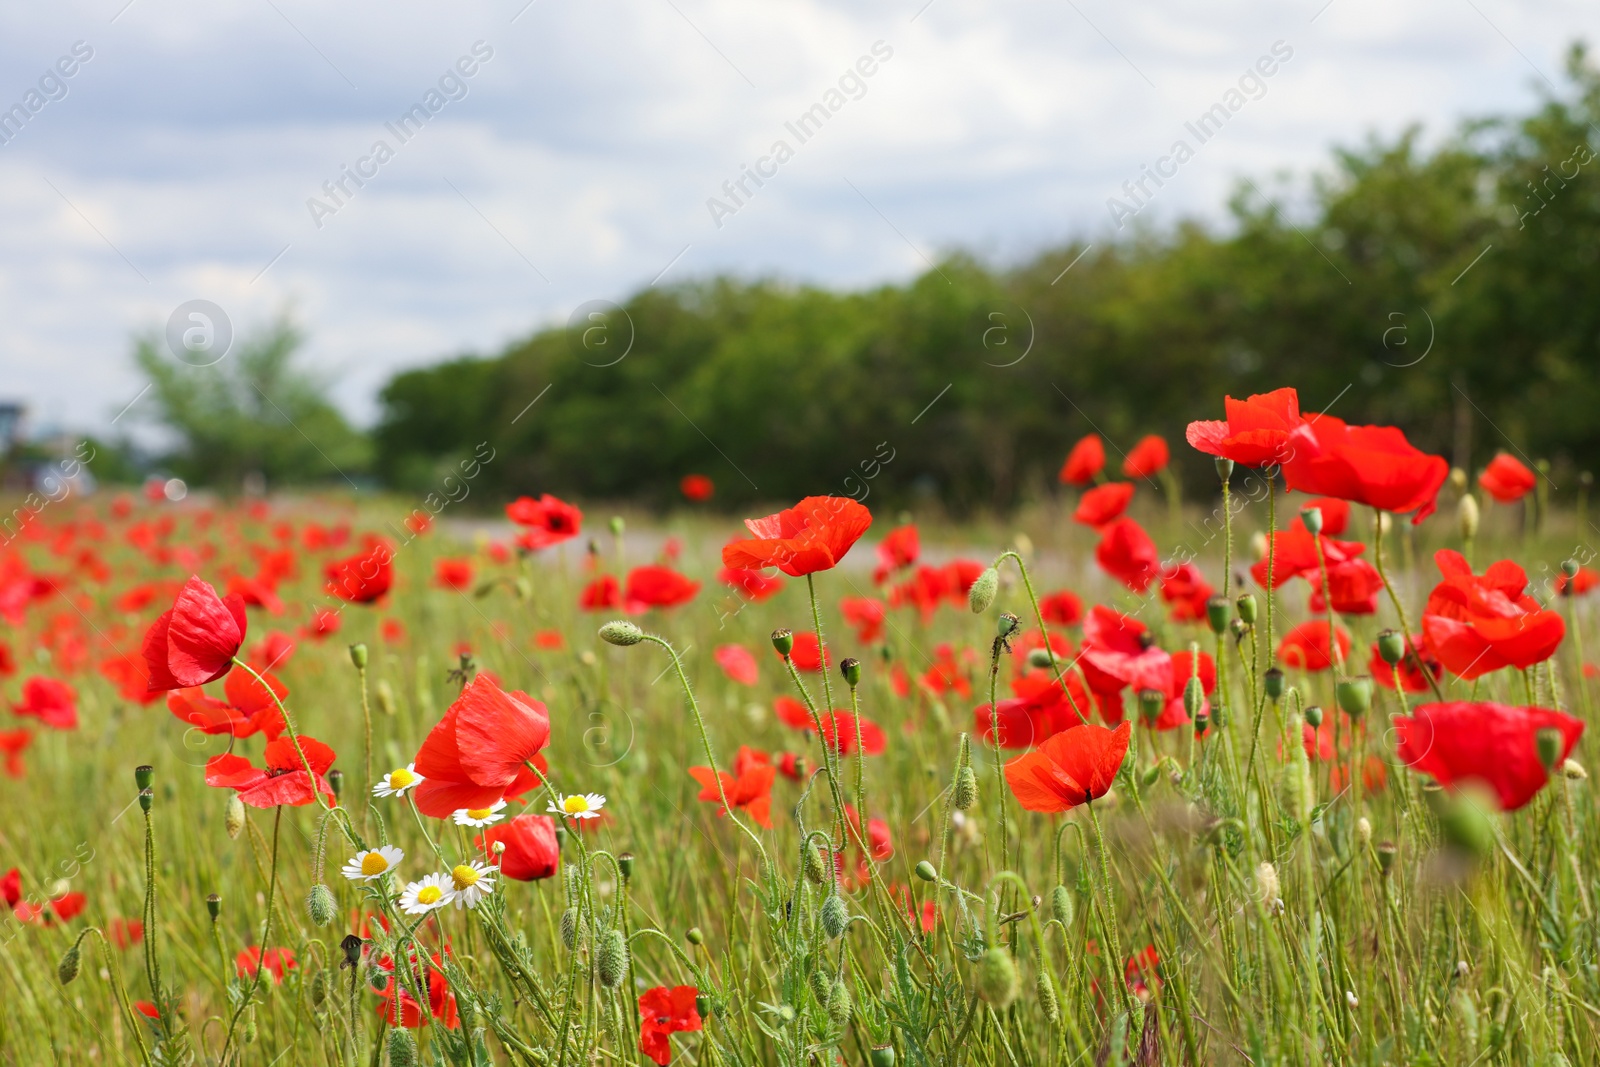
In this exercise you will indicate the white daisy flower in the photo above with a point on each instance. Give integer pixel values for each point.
(373, 862)
(397, 781)
(580, 805)
(427, 893)
(480, 816)
(471, 883)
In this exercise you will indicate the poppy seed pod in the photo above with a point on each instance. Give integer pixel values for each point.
(1218, 611)
(611, 960)
(1272, 683)
(1386, 854)
(214, 905)
(981, 595)
(67, 969)
(616, 525)
(851, 669)
(143, 775)
(1391, 646)
(997, 980)
(402, 1048)
(835, 915)
(358, 656)
(1247, 608)
(351, 946)
(1007, 625)
(1049, 1003)
(1238, 629)
(146, 798)
(336, 782)
(1569, 567)
(621, 632)
(966, 791)
(783, 641)
(1151, 703)
(881, 1056)
(1224, 468)
(926, 871)
(320, 905)
(1354, 695)
(702, 1004)
(1201, 722)
(1467, 517)
(1313, 716)
(695, 936)
(1312, 518)
(624, 864)
(1061, 905)
(1039, 659)
(1547, 743)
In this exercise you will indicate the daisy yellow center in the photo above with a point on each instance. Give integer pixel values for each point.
(464, 876)
(373, 863)
(401, 778)
(479, 813)
(429, 894)
(573, 805)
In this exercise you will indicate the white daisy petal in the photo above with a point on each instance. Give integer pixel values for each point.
(397, 781)
(480, 816)
(470, 882)
(373, 863)
(427, 893)
(578, 805)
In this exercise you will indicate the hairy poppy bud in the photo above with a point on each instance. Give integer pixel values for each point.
(835, 914)
(624, 864)
(1272, 682)
(214, 905)
(146, 798)
(621, 632)
(358, 656)
(402, 1048)
(319, 989)
(1218, 612)
(1547, 743)
(926, 871)
(1061, 906)
(1151, 703)
(821, 984)
(881, 1056)
(1194, 697)
(67, 969)
(142, 775)
(320, 905)
(1247, 608)
(966, 791)
(1363, 830)
(351, 946)
(385, 695)
(997, 980)
(611, 960)
(336, 782)
(839, 1005)
(1467, 517)
(851, 669)
(783, 641)
(569, 928)
(694, 936)
(1007, 625)
(1312, 518)
(250, 1031)
(1039, 659)
(1045, 990)
(812, 863)
(981, 595)
(1313, 716)
(1224, 468)
(1354, 695)
(1391, 646)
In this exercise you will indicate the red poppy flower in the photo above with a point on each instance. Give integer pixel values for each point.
(1411, 676)
(1127, 554)
(1071, 768)
(663, 1012)
(602, 594)
(453, 574)
(283, 782)
(696, 488)
(549, 640)
(148, 1010)
(276, 961)
(1507, 479)
(1061, 607)
(657, 587)
(738, 664)
(839, 734)
(1103, 503)
(749, 788)
(52, 702)
(1140, 971)
(124, 933)
(1087, 459)
(1582, 582)
(272, 651)
(478, 753)
(808, 653)
(392, 631)
(752, 585)
(812, 536)
(792, 713)
(419, 522)
(13, 743)
(1186, 592)
(1355, 584)
(1038, 709)
(11, 887)
(549, 521)
(866, 614)
(531, 851)
(1149, 456)
(324, 621)
(1306, 646)
(899, 549)
(1371, 465)
(1120, 651)
(1491, 744)
(195, 641)
(1255, 432)
(1477, 623)
(63, 908)
(399, 1008)
(8, 665)
(946, 675)
(255, 593)
(362, 578)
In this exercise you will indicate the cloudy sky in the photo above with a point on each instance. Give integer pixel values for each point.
(180, 159)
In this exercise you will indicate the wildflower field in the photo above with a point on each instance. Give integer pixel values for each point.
(1291, 774)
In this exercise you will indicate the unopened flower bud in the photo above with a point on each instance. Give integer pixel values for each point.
(1247, 608)
(851, 669)
(146, 798)
(402, 1048)
(624, 864)
(997, 980)
(1272, 682)
(783, 641)
(320, 905)
(1007, 625)
(1267, 886)
(1458, 479)
(1467, 517)
(813, 865)
(143, 775)
(336, 782)
(1313, 716)
(1045, 990)
(966, 791)
(926, 871)
(621, 632)
(214, 905)
(1312, 518)
(1363, 831)
(1354, 695)
(1548, 743)
(1391, 646)
(569, 928)
(1194, 697)
(835, 914)
(981, 595)
(67, 969)
(694, 936)
(1061, 905)
(1039, 659)
(611, 959)
(1569, 567)
(840, 1007)
(358, 656)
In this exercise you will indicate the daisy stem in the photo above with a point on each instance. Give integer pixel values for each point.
(424, 828)
(1399, 609)
(1044, 634)
(266, 935)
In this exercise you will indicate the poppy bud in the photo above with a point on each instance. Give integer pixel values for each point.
(851, 669)
(1194, 697)
(402, 1048)
(1151, 702)
(1224, 468)
(1467, 517)
(926, 871)
(1391, 646)
(561, 836)
(1354, 695)
(624, 864)
(142, 775)
(1547, 743)
(67, 969)
(881, 1056)
(785, 1014)
(1312, 518)
(695, 936)
(1258, 545)
(616, 525)
(611, 960)
(358, 656)
(1045, 990)
(319, 989)
(320, 905)
(839, 1005)
(1386, 854)
(783, 641)
(997, 980)
(966, 791)
(1008, 625)
(336, 782)
(1039, 659)
(1061, 905)
(1573, 771)
(835, 914)
(1458, 478)
(1313, 716)
(702, 1004)
(1218, 611)
(146, 798)
(812, 864)
(1363, 830)
(981, 595)
(1151, 773)
(250, 1031)
(351, 945)
(821, 985)
(1247, 608)
(621, 632)
(385, 694)
(569, 928)
(214, 905)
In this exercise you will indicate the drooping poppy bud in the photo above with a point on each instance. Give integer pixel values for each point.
(1548, 742)
(67, 969)
(981, 595)
(997, 980)
(1045, 990)
(835, 915)
(358, 656)
(1039, 659)
(840, 1006)
(1061, 905)
(402, 1048)
(569, 928)
(611, 960)
(813, 865)
(320, 905)
(695, 936)
(966, 791)
(621, 632)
